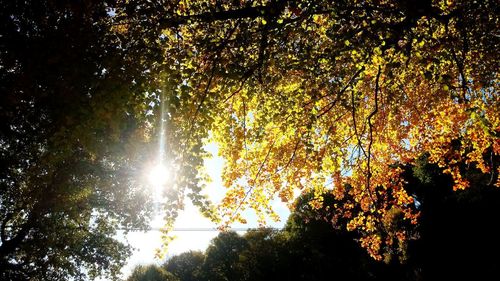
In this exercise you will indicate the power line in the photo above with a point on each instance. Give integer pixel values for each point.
(202, 229)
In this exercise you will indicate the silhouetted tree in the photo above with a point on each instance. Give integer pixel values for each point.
(457, 240)
(222, 258)
(262, 259)
(454, 238)
(151, 273)
(186, 266)
(318, 245)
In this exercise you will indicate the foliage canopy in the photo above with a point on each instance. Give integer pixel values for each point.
(304, 95)
(329, 95)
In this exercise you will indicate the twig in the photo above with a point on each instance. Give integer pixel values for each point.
(254, 180)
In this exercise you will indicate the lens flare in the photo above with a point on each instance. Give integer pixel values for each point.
(158, 175)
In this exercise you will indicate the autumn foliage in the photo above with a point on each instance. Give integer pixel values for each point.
(301, 96)
(337, 96)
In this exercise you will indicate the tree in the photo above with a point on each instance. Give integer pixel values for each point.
(151, 273)
(73, 139)
(318, 244)
(308, 95)
(222, 258)
(455, 238)
(186, 266)
(266, 256)
(319, 94)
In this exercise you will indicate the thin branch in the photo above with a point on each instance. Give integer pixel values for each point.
(346, 86)
(204, 96)
(212, 72)
(4, 224)
(273, 9)
(353, 113)
(460, 63)
(493, 171)
(296, 147)
(370, 128)
(254, 180)
(245, 78)
(245, 126)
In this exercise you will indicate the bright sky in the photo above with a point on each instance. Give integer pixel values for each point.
(147, 242)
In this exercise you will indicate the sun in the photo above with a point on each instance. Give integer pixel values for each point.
(158, 175)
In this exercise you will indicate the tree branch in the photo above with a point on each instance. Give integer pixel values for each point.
(370, 129)
(274, 8)
(254, 180)
(4, 224)
(353, 113)
(346, 86)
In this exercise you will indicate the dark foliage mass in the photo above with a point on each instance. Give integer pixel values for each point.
(70, 110)
(456, 238)
(453, 241)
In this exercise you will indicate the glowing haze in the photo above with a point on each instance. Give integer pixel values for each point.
(194, 231)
